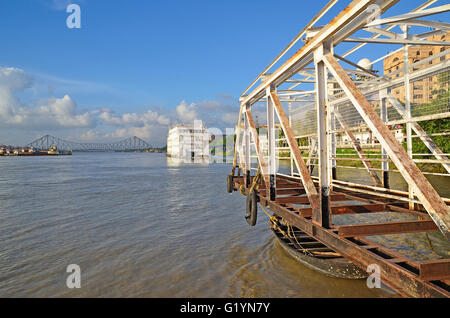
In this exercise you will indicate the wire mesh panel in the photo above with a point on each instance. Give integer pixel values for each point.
(304, 118)
(430, 95)
(362, 131)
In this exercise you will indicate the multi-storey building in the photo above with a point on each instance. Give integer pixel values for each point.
(422, 91)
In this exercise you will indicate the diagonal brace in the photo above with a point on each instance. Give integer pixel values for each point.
(305, 176)
(255, 137)
(433, 203)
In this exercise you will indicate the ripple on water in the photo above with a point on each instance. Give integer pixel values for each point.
(139, 228)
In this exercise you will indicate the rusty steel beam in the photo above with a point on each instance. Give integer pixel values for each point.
(352, 18)
(387, 228)
(392, 274)
(324, 10)
(284, 186)
(348, 209)
(285, 191)
(406, 276)
(305, 200)
(435, 269)
(305, 176)
(427, 195)
(397, 272)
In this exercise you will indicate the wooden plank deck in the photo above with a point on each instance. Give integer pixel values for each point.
(406, 276)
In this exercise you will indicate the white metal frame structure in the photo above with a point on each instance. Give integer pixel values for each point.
(330, 100)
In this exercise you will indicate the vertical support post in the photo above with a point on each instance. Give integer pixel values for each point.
(384, 118)
(290, 124)
(239, 147)
(271, 144)
(331, 126)
(224, 148)
(247, 150)
(237, 141)
(405, 30)
(321, 104)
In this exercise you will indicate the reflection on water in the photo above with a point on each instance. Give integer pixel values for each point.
(141, 226)
(178, 162)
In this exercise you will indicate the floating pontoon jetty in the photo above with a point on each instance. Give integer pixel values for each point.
(392, 110)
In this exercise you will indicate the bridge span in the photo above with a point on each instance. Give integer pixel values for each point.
(130, 144)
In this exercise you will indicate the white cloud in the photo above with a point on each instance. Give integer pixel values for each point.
(155, 135)
(142, 119)
(14, 79)
(186, 112)
(100, 124)
(211, 112)
(149, 125)
(90, 135)
(50, 113)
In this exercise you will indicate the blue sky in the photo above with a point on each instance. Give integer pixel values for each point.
(135, 67)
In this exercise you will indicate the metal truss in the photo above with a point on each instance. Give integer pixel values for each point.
(129, 144)
(330, 97)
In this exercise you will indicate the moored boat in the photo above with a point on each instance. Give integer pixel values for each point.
(314, 254)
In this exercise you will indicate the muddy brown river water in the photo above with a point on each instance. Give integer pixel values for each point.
(140, 226)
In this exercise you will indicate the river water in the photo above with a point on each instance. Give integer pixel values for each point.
(139, 225)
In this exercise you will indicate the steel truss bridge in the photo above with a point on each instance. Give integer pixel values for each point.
(129, 144)
(321, 99)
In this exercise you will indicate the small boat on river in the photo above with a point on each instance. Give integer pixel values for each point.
(314, 254)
